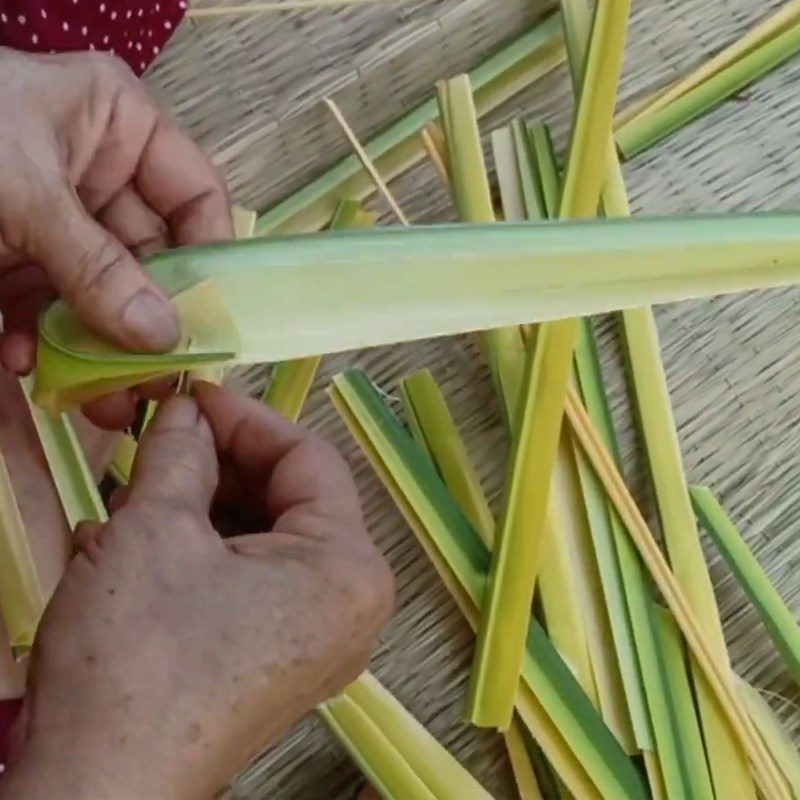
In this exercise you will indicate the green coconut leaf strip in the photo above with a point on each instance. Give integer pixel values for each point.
(783, 18)
(436, 432)
(515, 560)
(533, 198)
(255, 300)
(546, 168)
(504, 347)
(687, 727)
(567, 501)
(399, 147)
(447, 531)
(22, 600)
(382, 765)
(291, 381)
(648, 128)
(608, 536)
(777, 740)
(439, 771)
(727, 763)
(73, 479)
(777, 618)
(628, 598)
(716, 674)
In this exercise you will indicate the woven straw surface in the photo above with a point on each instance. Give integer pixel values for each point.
(249, 89)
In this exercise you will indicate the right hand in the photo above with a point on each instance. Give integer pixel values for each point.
(94, 175)
(169, 656)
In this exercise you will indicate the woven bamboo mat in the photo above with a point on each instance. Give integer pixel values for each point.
(249, 89)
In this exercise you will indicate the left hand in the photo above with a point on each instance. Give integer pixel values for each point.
(95, 175)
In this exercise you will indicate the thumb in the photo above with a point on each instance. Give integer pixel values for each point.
(98, 276)
(176, 464)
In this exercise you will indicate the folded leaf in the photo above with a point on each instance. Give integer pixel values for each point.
(291, 381)
(281, 299)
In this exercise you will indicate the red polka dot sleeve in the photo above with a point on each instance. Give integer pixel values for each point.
(134, 30)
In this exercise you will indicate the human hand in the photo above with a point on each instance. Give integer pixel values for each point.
(168, 656)
(94, 176)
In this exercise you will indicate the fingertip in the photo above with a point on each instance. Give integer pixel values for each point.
(150, 322)
(112, 412)
(17, 352)
(158, 388)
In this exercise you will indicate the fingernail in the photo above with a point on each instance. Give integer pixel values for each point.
(177, 412)
(151, 322)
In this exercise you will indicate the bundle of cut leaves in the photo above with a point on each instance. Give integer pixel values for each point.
(599, 649)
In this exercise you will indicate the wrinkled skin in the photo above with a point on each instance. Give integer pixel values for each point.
(169, 656)
(94, 176)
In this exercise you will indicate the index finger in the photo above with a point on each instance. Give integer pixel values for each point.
(181, 184)
(308, 488)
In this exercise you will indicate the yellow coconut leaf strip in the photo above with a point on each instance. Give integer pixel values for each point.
(121, 465)
(505, 347)
(648, 128)
(561, 610)
(290, 381)
(468, 559)
(244, 222)
(777, 740)
(726, 761)
(507, 172)
(525, 60)
(702, 645)
(524, 775)
(22, 601)
(73, 479)
(435, 766)
(776, 616)
(437, 433)
(687, 727)
(729, 770)
(390, 774)
(501, 636)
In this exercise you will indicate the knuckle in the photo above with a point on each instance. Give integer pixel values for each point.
(97, 269)
(109, 70)
(365, 584)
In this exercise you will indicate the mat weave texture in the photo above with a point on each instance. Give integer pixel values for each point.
(249, 89)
